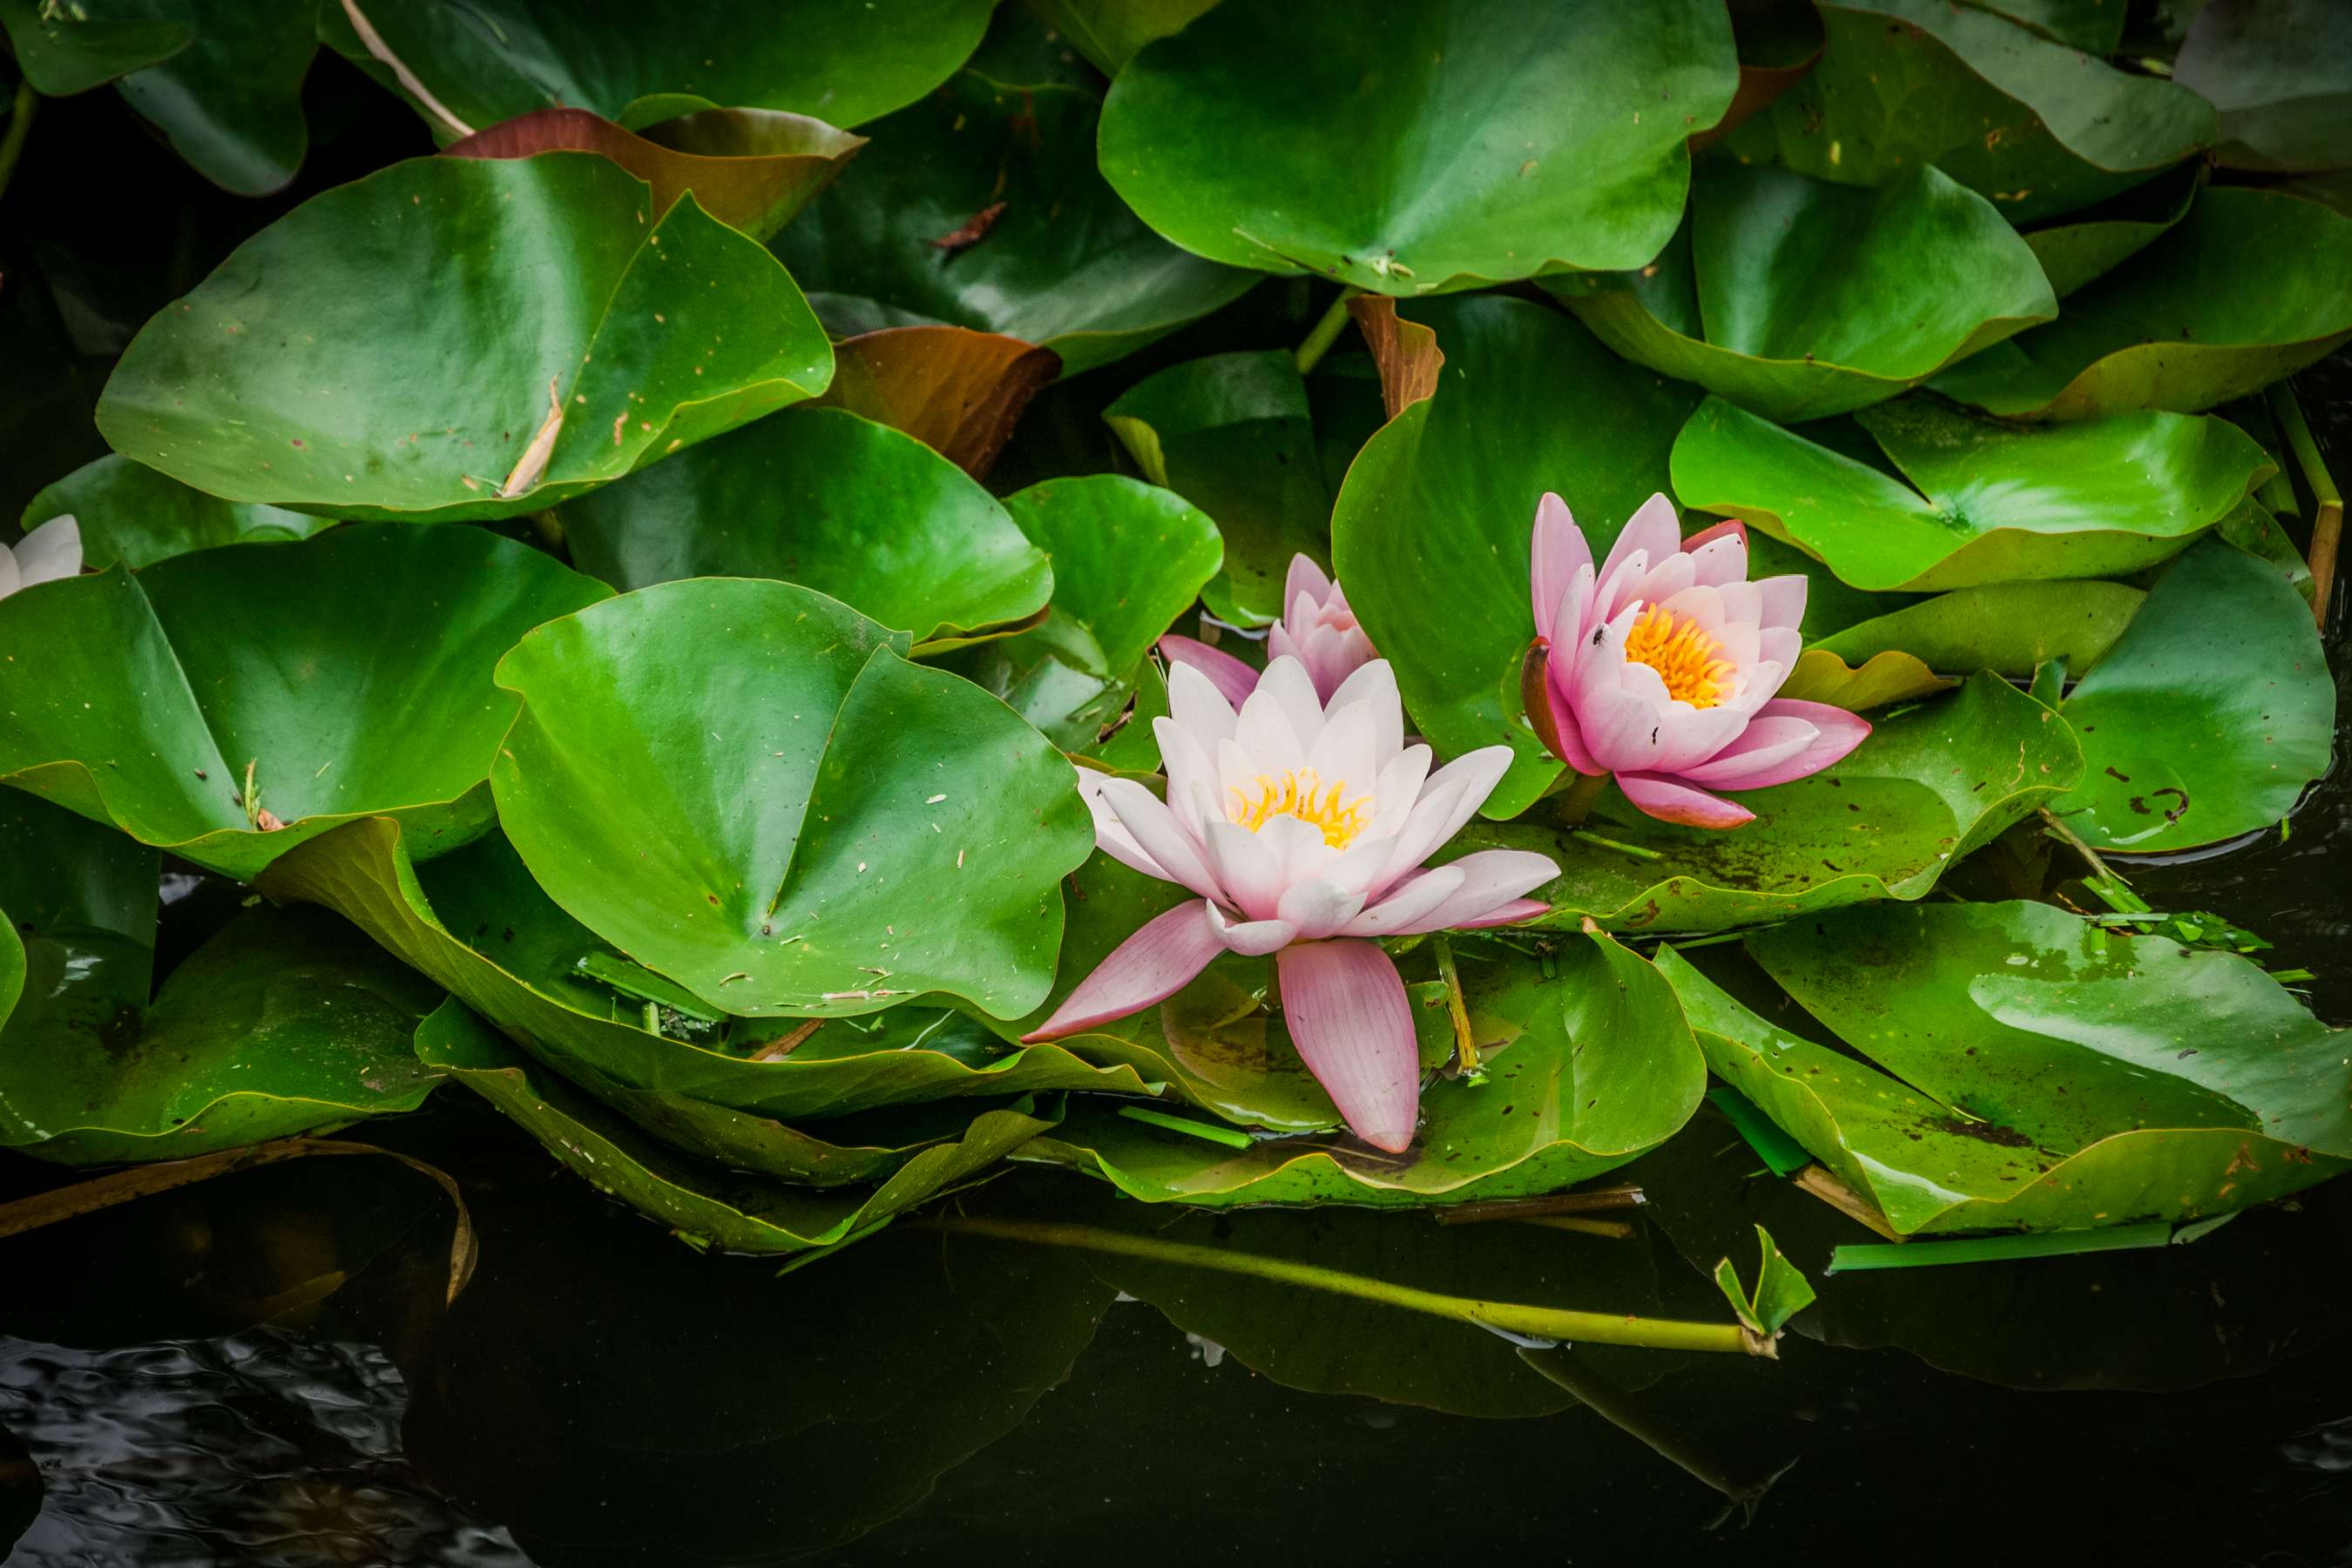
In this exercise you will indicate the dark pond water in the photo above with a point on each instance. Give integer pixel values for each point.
(263, 1370)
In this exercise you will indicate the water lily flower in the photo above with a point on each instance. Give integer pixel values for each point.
(49, 552)
(1302, 824)
(1317, 628)
(1660, 668)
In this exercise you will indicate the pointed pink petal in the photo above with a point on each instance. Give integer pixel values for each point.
(1304, 578)
(1784, 599)
(1408, 898)
(1729, 528)
(1837, 733)
(1654, 530)
(1512, 913)
(1234, 679)
(1490, 880)
(1671, 800)
(1556, 549)
(1160, 960)
(1765, 744)
(1348, 1016)
(1155, 828)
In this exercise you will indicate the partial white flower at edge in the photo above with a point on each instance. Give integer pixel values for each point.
(50, 552)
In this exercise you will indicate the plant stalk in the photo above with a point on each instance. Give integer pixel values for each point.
(2327, 513)
(1466, 1049)
(2074, 840)
(1572, 806)
(1535, 1322)
(1325, 333)
(20, 125)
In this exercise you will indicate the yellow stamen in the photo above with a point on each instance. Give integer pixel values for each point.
(1300, 792)
(1689, 661)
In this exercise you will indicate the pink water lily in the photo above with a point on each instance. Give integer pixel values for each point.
(1302, 824)
(1317, 628)
(50, 552)
(1660, 668)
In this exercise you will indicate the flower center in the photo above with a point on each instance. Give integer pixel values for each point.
(1300, 792)
(1689, 661)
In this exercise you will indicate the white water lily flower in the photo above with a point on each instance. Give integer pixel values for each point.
(50, 552)
(1303, 826)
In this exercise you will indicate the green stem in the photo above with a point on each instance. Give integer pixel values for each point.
(20, 125)
(1326, 333)
(2327, 512)
(2074, 840)
(1535, 1322)
(1572, 806)
(1466, 1049)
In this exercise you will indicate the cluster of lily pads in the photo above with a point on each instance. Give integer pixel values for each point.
(641, 603)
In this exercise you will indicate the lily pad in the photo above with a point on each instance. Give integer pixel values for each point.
(980, 206)
(2059, 1074)
(2275, 70)
(2011, 628)
(62, 54)
(708, 1203)
(1128, 559)
(956, 391)
(1890, 675)
(278, 1025)
(476, 924)
(1109, 32)
(2246, 289)
(2209, 716)
(2038, 127)
(1585, 1066)
(595, 335)
(1796, 298)
(130, 513)
(1928, 786)
(745, 786)
(2089, 244)
(1234, 435)
(820, 496)
(493, 59)
(1430, 533)
(143, 699)
(1994, 503)
(1457, 144)
(750, 168)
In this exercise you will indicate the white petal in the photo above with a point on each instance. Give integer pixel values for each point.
(1189, 771)
(1194, 702)
(1154, 827)
(50, 552)
(1318, 908)
(1402, 909)
(1251, 939)
(1268, 727)
(1375, 684)
(1486, 880)
(1247, 868)
(10, 578)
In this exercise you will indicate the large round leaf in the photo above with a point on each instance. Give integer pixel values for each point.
(130, 513)
(344, 675)
(980, 208)
(2059, 1074)
(2211, 714)
(2248, 287)
(2009, 628)
(2091, 243)
(571, 333)
(278, 1025)
(1430, 533)
(1994, 502)
(1442, 146)
(1234, 434)
(708, 1202)
(493, 59)
(1796, 298)
(1929, 785)
(744, 786)
(61, 53)
(2275, 69)
(2040, 128)
(1587, 1063)
(823, 498)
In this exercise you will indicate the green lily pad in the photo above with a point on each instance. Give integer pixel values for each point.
(980, 206)
(2009, 628)
(1430, 532)
(62, 54)
(1234, 435)
(1994, 503)
(821, 498)
(2038, 127)
(494, 60)
(1797, 298)
(2209, 716)
(2275, 70)
(310, 372)
(746, 787)
(2093, 26)
(476, 924)
(130, 513)
(1129, 558)
(1109, 32)
(142, 699)
(708, 1203)
(1782, 1288)
(2059, 1074)
(1585, 1066)
(1928, 786)
(280, 1024)
(1453, 144)
(2242, 292)
(2089, 244)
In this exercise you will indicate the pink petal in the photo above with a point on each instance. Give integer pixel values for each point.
(1304, 578)
(1671, 800)
(1512, 913)
(1836, 734)
(1766, 742)
(1411, 897)
(1160, 960)
(1251, 939)
(1784, 599)
(1572, 748)
(1554, 555)
(1234, 679)
(1246, 869)
(1155, 828)
(1491, 878)
(1729, 528)
(1654, 530)
(1348, 1016)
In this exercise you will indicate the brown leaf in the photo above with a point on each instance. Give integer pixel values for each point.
(1406, 351)
(958, 391)
(975, 229)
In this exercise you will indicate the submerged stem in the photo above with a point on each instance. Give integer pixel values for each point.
(2074, 840)
(1535, 1322)
(2327, 513)
(1325, 333)
(1572, 806)
(1466, 1049)
(20, 125)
